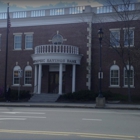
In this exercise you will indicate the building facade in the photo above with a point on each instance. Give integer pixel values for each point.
(57, 50)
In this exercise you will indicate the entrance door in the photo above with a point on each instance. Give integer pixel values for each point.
(54, 82)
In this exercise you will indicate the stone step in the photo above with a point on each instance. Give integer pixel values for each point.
(44, 98)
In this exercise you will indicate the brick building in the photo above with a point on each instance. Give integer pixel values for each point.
(58, 50)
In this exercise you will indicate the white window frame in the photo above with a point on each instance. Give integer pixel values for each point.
(20, 42)
(129, 30)
(115, 68)
(126, 7)
(131, 68)
(28, 34)
(117, 30)
(27, 68)
(56, 39)
(16, 68)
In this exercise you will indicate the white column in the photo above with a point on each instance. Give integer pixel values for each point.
(60, 78)
(35, 79)
(73, 77)
(39, 78)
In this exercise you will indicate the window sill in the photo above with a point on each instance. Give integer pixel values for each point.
(127, 87)
(28, 49)
(129, 46)
(114, 86)
(16, 85)
(17, 50)
(27, 85)
(114, 47)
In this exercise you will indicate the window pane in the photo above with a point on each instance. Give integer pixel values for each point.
(28, 77)
(29, 41)
(131, 77)
(129, 37)
(15, 73)
(114, 77)
(16, 79)
(115, 38)
(17, 41)
(114, 81)
(114, 73)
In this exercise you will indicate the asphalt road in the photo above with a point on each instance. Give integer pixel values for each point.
(68, 124)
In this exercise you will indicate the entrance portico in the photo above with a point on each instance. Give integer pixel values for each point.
(60, 55)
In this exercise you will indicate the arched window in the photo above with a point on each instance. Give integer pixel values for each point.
(57, 39)
(16, 75)
(114, 75)
(131, 75)
(28, 75)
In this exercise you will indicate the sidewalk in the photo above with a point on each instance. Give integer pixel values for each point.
(70, 105)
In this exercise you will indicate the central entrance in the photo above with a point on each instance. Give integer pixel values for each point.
(54, 82)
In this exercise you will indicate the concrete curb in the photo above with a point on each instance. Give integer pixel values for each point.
(70, 105)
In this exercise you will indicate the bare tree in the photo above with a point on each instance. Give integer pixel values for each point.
(127, 13)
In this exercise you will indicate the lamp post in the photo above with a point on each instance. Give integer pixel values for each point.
(100, 74)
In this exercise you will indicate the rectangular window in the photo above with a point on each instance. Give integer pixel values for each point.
(104, 9)
(28, 41)
(131, 78)
(128, 37)
(115, 38)
(28, 77)
(126, 7)
(17, 42)
(114, 78)
(16, 77)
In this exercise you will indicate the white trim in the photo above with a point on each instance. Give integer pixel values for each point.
(17, 49)
(16, 68)
(28, 33)
(28, 68)
(28, 49)
(129, 45)
(114, 86)
(17, 33)
(115, 67)
(16, 85)
(131, 68)
(127, 86)
(114, 37)
(27, 85)
(130, 28)
(115, 29)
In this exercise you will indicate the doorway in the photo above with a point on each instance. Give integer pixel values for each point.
(54, 82)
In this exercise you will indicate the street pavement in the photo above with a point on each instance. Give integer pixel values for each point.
(70, 105)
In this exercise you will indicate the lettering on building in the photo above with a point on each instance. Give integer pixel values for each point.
(71, 61)
(40, 61)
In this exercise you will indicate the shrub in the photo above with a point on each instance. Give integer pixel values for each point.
(22, 94)
(83, 95)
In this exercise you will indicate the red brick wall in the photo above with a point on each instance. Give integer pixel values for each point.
(76, 35)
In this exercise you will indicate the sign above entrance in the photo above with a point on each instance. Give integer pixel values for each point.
(66, 61)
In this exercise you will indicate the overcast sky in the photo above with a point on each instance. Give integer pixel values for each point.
(18, 5)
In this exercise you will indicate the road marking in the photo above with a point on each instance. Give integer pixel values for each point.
(23, 113)
(12, 119)
(35, 117)
(84, 119)
(106, 136)
(33, 132)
